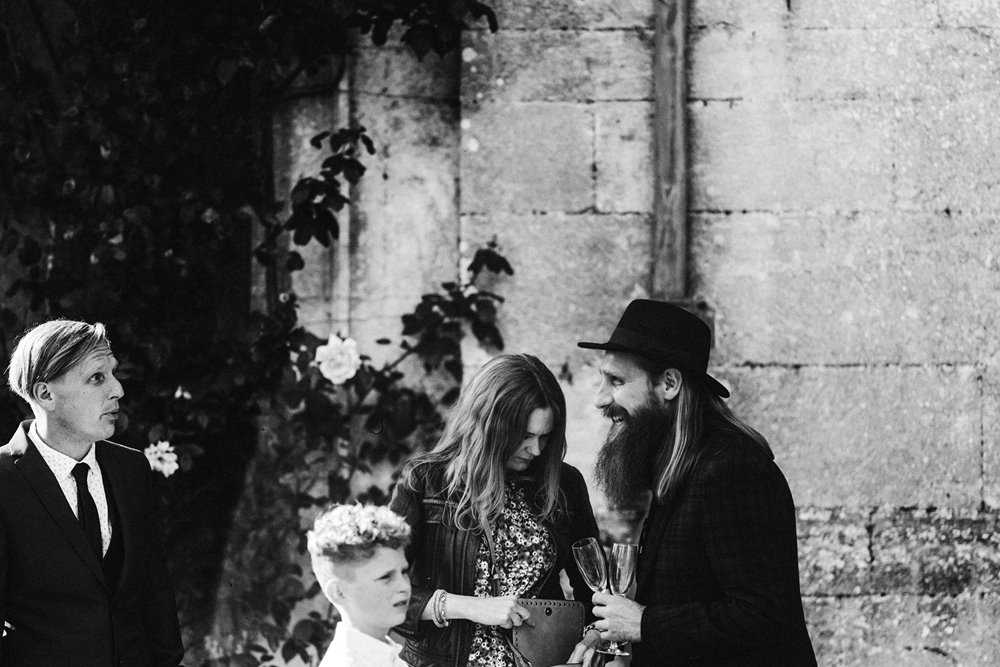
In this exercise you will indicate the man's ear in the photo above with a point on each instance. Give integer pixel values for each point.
(669, 385)
(41, 394)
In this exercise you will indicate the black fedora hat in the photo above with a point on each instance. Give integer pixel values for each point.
(667, 333)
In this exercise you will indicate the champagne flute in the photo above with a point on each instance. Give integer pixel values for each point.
(621, 576)
(589, 557)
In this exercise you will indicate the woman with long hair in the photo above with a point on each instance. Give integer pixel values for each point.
(494, 512)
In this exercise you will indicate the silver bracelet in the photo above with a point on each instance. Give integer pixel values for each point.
(438, 608)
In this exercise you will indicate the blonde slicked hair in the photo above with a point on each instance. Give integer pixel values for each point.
(46, 351)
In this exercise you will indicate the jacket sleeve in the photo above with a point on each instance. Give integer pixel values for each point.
(747, 524)
(406, 502)
(160, 609)
(582, 524)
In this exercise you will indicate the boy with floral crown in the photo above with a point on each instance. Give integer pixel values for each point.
(358, 558)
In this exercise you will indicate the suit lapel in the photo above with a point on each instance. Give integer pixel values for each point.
(47, 489)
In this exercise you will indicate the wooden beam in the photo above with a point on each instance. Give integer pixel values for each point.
(668, 274)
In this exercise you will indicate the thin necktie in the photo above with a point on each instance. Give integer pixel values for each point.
(89, 520)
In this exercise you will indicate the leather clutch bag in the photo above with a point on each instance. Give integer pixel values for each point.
(558, 625)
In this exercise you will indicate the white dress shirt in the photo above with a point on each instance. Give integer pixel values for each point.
(352, 648)
(62, 467)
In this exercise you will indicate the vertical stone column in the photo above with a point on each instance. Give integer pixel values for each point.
(404, 240)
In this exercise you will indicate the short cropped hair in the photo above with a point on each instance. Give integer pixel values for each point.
(46, 351)
(351, 533)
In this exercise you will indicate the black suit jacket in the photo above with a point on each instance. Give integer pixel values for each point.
(718, 566)
(55, 600)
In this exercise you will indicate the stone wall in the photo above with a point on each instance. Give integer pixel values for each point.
(842, 208)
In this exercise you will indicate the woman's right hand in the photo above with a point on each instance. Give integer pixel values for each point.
(503, 611)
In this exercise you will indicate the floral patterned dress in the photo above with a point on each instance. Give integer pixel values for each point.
(524, 553)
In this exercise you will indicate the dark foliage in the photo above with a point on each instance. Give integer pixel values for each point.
(134, 169)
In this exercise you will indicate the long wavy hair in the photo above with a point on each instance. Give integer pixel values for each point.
(693, 408)
(483, 431)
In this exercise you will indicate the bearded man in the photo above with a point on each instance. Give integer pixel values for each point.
(717, 580)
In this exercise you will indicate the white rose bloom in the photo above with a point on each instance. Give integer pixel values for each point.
(162, 458)
(339, 359)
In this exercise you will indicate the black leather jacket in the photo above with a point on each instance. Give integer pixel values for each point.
(442, 556)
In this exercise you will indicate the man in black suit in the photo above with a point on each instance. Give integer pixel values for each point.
(717, 580)
(82, 576)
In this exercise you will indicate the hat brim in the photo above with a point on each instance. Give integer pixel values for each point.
(713, 385)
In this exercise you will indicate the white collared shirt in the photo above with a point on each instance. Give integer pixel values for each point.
(62, 467)
(352, 648)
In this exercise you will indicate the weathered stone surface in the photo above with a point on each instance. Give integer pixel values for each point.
(829, 288)
(894, 630)
(943, 154)
(932, 552)
(838, 629)
(991, 432)
(624, 157)
(737, 14)
(561, 292)
(527, 157)
(572, 14)
(403, 242)
(969, 13)
(869, 435)
(895, 65)
(871, 14)
(912, 630)
(556, 66)
(293, 128)
(834, 551)
(394, 70)
(776, 155)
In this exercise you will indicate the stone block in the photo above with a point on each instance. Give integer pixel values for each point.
(834, 556)
(891, 65)
(737, 14)
(556, 65)
(625, 173)
(944, 158)
(838, 629)
(316, 280)
(560, 292)
(527, 157)
(893, 630)
(746, 64)
(875, 14)
(393, 69)
(573, 14)
(931, 631)
(894, 65)
(791, 155)
(935, 552)
(868, 435)
(405, 228)
(824, 288)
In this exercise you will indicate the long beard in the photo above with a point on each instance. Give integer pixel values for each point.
(627, 462)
